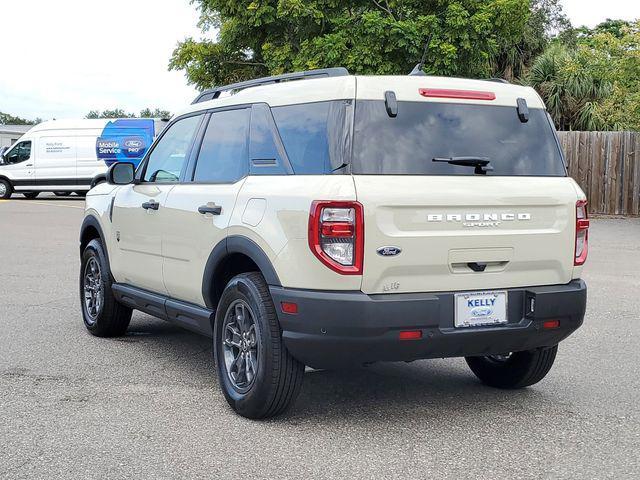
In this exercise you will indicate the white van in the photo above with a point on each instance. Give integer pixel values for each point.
(66, 156)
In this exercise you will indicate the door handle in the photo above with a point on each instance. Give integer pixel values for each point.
(215, 209)
(29, 165)
(151, 205)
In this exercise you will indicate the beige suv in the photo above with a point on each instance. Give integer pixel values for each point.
(329, 220)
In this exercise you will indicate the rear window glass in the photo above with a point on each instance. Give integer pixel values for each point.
(314, 135)
(422, 131)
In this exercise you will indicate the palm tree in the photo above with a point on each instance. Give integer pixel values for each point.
(571, 86)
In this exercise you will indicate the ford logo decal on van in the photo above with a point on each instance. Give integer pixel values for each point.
(389, 251)
(133, 143)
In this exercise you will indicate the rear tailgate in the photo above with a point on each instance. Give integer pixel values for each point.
(466, 232)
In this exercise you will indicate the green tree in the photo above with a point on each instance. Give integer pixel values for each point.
(546, 20)
(259, 37)
(121, 113)
(592, 80)
(571, 86)
(156, 113)
(7, 119)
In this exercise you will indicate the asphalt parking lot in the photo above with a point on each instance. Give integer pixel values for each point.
(148, 406)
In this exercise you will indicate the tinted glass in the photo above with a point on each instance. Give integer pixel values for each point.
(19, 153)
(265, 151)
(407, 144)
(223, 154)
(314, 135)
(169, 156)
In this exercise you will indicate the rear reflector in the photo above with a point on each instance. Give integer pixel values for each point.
(461, 94)
(289, 307)
(551, 324)
(410, 335)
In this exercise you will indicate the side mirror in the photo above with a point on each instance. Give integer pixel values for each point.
(121, 173)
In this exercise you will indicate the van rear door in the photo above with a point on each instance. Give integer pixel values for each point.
(441, 226)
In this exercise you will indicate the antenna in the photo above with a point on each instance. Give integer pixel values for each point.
(417, 70)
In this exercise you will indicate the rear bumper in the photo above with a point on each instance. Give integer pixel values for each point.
(333, 329)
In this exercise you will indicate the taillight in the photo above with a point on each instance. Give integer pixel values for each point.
(582, 233)
(336, 235)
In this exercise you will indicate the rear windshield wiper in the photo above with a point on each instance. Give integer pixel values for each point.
(481, 164)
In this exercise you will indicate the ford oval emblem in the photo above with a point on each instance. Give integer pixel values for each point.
(133, 143)
(389, 251)
(481, 312)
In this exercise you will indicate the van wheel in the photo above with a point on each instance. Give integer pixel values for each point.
(5, 189)
(30, 195)
(258, 376)
(61, 194)
(514, 370)
(81, 193)
(102, 314)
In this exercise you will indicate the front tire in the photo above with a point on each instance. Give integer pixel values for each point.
(5, 189)
(61, 194)
(103, 316)
(30, 195)
(516, 370)
(257, 375)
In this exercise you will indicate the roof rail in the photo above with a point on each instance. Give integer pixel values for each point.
(498, 80)
(215, 92)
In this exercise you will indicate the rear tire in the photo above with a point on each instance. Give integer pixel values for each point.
(5, 189)
(81, 193)
(30, 195)
(103, 316)
(61, 194)
(257, 375)
(518, 370)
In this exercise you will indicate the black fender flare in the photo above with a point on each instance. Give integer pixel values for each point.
(92, 221)
(230, 245)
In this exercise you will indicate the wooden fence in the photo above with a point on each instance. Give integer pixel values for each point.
(607, 167)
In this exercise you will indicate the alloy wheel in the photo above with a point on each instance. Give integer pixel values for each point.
(240, 344)
(93, 290)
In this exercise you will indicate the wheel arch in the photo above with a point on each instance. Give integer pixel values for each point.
(89, 230)
(236, 254)
(6, 179)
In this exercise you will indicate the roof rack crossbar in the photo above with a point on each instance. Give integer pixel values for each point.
(215, 92)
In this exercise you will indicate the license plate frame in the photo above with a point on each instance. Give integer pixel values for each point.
(484, 313)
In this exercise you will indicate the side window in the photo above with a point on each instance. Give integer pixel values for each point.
(169, 156)
(266, 153)
(19, 153)
(314, 135)
(223, 154)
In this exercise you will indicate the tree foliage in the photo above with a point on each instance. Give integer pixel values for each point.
(121, 113)
(591, 81)
(471, 38)
(7, 119)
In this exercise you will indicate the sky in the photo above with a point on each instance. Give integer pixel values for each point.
(63, 58)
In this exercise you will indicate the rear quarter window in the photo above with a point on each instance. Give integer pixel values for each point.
(315, 135)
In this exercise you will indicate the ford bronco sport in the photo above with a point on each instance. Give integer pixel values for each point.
(327, 220)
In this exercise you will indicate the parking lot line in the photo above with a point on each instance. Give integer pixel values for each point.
(59, 205)
(49, 203)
